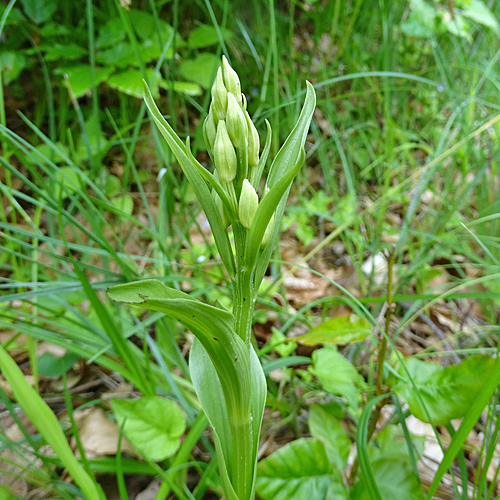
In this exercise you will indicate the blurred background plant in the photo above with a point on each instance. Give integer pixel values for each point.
(402, 164)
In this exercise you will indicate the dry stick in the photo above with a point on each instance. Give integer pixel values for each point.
(381, 359)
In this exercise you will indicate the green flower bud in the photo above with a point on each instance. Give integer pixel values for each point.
(219, 97)
(231, 80)
(224, 154)
(268, 233)
(253, 142)
(249, 202)
(236, 123)
(209, 129)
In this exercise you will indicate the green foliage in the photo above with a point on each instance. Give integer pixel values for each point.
(299, 470)
(439, 394)
(153, 425)
(337, 375)
(338, 330)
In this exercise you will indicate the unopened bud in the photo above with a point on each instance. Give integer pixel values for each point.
(268, 233)
(224, 154)
(219, 97)
(209, 129)
(249, 202)
(253, 142)
(236, 123)
(231, 80)
(220, 208)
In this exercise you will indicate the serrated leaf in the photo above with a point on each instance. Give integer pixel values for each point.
(446, 393)
(339, 330)
(336, 374)
(152, 424)
(326, 427)
(299, 470)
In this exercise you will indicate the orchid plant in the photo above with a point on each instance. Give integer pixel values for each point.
(224, 368)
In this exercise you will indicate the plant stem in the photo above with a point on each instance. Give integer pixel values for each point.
(381, 360)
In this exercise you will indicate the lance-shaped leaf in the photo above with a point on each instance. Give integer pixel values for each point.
(265, 211)
(287, 157)
(213, 327)
(199, 185)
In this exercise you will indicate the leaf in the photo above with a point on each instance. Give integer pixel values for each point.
(130, 82)
(339, 330)
(124, 203)
(11, 65)
(287, 157)
(478, 11)
(148, 27)
(326, 427)
(199, 185)
(299, 470)
(395, 481)
(53, 366)
(211, 395)
(111, 33)
(152, 424)
(42, 417)
(79, 77)
(39, 10)
(204, 36)
(336, 374)
(446, 393)
(58, 51)
(201, 69)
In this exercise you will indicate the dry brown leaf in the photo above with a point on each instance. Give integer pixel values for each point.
(99, 435)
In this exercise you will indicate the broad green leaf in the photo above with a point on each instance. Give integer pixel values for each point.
(57, 51)
(42, 417)
(39, 10)
(199, 185)
(213, 327)
(201, 69)
(395, 481)
(188, 88)
(111, 33)
(148, 27)
(65, 179)
(447, 393)
(53, 366)
(152, 424)
(124, 203)
(336, 374)
(124, 55)
(204, 36)
(79, 77)
(130, 82)
(287, 157)
(326, 427)
(11, 65)
(211, 395)
(478, 11)
(299, 470)
(391, 443)
(340, 330)
(267, 207)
